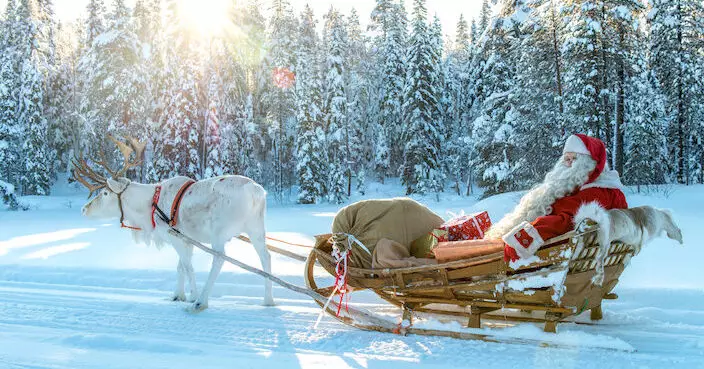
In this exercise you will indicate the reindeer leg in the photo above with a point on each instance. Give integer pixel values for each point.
(202, 302)
(179, 294)
(188, 267)
(258, 237)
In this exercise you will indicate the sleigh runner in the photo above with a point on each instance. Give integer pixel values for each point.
(552, 286)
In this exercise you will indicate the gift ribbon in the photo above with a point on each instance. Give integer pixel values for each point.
(476, 223)
(341, 259)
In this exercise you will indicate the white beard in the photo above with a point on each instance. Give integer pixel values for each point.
(559, 182)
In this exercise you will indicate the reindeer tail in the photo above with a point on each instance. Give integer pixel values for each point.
(598, 214)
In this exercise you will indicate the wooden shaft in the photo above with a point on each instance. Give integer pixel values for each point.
(367, 317)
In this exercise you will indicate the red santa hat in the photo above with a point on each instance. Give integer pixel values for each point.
(594, 147)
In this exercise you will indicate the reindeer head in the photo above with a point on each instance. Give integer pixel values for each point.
(107, 204)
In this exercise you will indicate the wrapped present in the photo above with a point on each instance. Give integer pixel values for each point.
(458, 250)
(423, 246)
(467, 227)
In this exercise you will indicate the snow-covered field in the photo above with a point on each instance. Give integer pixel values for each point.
(76, 294)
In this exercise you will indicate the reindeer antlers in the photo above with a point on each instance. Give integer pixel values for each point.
(84, 174)
(81, 171)
(126, 150)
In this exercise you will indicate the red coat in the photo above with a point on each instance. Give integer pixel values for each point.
(563, 210)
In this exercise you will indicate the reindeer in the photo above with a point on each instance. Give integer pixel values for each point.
(210, 211)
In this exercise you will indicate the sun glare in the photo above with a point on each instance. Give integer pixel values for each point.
(205, 17)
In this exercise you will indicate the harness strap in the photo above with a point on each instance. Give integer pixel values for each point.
(122, 213)
(177, 202)
(171, 221)
(155, 201)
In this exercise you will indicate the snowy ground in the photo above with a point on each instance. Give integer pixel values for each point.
(76, 294)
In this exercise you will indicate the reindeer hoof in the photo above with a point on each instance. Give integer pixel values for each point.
(269, 302)
(198, 307)
(178, 298)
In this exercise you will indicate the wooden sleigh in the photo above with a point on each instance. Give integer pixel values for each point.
(549, 288)
(553, 286)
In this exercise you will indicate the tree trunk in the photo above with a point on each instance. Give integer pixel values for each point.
(604, 103)
(681, 175)
(620, 108)
(558, 62)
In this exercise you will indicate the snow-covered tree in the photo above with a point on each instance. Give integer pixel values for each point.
(392, 59)
(278, 100)
(335, 106)
(421, 170)
(95, 22)
(646, 135)
(359, 92)
(9, 96)
(311, 163)
(35, 178)
(677, 28)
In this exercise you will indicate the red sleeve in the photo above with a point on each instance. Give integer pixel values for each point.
(563, 210)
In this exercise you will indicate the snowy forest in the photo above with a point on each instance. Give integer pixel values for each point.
(314, 106)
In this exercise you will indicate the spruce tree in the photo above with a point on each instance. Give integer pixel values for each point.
(421, 170)
(646, 136)
(35, 178)
(310, 157)
(278, 107)
(677, 28)
(391, 90)
(9, 96)
(335, 106)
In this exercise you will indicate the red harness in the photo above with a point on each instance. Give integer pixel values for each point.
(171, 221)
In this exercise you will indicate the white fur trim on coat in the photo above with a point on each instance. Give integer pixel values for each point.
(607, 179)
(522, 251)
(575, 144)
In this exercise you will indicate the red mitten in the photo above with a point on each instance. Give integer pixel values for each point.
(510, 253)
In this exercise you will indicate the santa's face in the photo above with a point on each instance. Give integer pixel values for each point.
(568, 158)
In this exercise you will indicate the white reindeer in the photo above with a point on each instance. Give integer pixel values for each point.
(211, 211)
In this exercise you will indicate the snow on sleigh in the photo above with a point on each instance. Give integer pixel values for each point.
(548, 288)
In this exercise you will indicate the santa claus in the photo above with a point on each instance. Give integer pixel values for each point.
(580, 176)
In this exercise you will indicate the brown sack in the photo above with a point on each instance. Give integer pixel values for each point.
(399, 219)
(391, 254)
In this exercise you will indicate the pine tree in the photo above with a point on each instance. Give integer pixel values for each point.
(421, 171)
(335, 106)
(392, 60)
(64, 131)
(497, 140)
(646, 136)
(455, 108)
(9, 96)
(539, 91)
(31, 119)
(473, 36)
(179, 142)
(584, 75)
(95, 21)
(359, 92)
(677, 28)
(111, 66)
(35, 177)
(310, 157)
(484, 17)
(278, 101)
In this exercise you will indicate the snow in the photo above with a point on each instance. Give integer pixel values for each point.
(76, 293)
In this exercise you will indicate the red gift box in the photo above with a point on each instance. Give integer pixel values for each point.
(466, 227)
